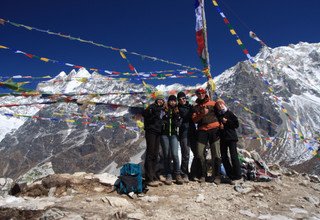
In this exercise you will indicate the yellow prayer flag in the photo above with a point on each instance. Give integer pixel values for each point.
(140, 124)
(212, 85)
(70, 120)
(44, 59)
(215, 3)
(123, 55)
(3, 47)
(232, 31)
(27, 27)
(239, 41)
(108, 126)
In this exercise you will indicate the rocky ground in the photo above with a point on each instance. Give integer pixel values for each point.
(87, 196)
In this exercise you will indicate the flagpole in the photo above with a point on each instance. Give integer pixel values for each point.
(210, 85)
(205, 35)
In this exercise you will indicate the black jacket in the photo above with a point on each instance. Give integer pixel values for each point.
(186, 115)
(171, 122)
(153, 118)
(229, 131)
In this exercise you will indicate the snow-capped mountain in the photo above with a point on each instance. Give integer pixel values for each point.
(284, 97)
(278, 109)
(76, 134)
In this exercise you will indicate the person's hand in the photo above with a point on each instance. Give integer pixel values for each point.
(221, 126)
(204, 110)
(224, 120)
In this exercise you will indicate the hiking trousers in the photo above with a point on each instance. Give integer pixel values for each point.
(203, 138)
(170, 146)
(152, 152)
(233, 169)
(188, 141)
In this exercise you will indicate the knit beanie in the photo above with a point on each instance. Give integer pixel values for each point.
(172, 97)
(159, 96)
(181, 95)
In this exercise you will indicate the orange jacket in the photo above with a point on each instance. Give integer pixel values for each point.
(205, 121)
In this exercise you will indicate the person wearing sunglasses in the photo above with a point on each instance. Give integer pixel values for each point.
(187, 138)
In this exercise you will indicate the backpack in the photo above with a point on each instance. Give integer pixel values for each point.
(130, 179)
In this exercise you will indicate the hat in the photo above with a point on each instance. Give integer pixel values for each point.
(172, 97)
(181, 95)
(159, 96)
(201, 91)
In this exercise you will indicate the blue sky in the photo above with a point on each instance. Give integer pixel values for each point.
(164, 29)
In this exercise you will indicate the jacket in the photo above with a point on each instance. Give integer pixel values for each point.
(153, 118)
(171, 122)
(186, 116)
(205, 121)
(229, 128)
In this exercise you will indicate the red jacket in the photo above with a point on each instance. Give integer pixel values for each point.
(205, 121)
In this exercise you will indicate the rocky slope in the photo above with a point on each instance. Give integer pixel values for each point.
(87, 196)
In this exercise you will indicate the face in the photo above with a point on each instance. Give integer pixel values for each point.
(220, 105)
(182, 100)
(172, 103)
(160, 102)
(201, 95)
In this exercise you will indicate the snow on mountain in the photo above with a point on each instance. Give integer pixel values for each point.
(9, 124)
(282, 125)
(293, 73)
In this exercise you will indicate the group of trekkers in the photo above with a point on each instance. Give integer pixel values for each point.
(176, 121)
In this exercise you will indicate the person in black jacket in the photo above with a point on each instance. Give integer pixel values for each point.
(187, 138)
(169, 140)
(228, 140)
(153, 125)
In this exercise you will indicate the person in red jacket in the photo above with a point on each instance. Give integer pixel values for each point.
(207, 126)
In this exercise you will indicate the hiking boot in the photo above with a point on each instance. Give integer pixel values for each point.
(217, 180)
(210, 179)
(227, 180)
(153, 183)
(168, 180)
(194, 179)
(202, 180)
(179, 180)
(185, 179)
(162, 178)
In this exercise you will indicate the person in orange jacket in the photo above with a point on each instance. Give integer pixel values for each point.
(207, 125)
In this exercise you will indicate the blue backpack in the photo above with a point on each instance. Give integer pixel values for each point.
(130, 179)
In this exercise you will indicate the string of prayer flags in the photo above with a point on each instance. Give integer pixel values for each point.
(78, 122)
(96, 44)
(115, 74)
(246, 52)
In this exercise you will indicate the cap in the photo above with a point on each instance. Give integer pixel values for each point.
(201, 91)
